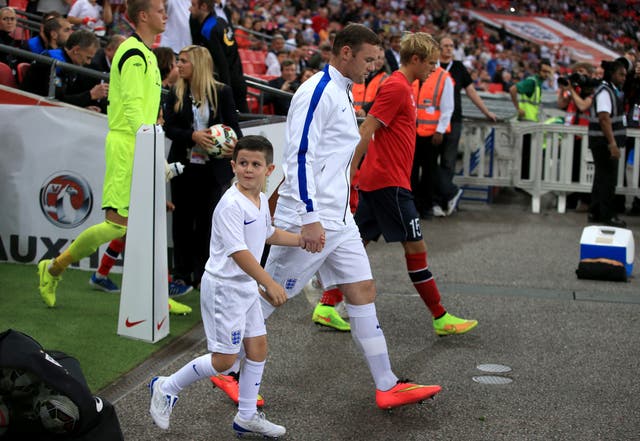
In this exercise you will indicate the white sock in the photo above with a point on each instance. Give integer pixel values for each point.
(368, 336)
(191, 372)
(249, 386)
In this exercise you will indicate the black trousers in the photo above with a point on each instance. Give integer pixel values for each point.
(430, 183)
(604, 183)
(195, 194)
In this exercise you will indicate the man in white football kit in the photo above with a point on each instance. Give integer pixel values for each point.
(231, 311)
(321, 136)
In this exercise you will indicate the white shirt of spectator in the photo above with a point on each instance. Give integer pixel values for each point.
(84, 8)
(177, 34)
(273, 64)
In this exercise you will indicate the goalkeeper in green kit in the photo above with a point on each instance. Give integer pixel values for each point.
(134, 99)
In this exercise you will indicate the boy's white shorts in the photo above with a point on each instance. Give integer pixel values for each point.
(230, 313)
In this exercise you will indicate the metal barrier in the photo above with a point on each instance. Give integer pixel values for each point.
(492, 157)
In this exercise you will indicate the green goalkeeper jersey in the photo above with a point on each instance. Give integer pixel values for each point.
(134, 87)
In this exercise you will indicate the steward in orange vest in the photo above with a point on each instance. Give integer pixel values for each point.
(429, 100)
(364, 94)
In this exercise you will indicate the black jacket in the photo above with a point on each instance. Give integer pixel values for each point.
(216, 34)
(71, 87)
(179, 128)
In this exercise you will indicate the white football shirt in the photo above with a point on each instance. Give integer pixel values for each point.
(237, 224)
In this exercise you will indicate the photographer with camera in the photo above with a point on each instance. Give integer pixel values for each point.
(575, 96)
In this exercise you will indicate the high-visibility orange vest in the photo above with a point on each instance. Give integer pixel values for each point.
(364, 96)
(373, 86)
(428, 102)
(358, 95)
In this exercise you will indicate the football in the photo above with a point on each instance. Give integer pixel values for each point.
(58, 414)
(18, 382)
(222, 134)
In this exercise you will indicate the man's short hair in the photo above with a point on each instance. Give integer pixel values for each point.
(52, 25)
(354, 35)
(135, 7)
(419, 43)
(287, 62)
(83, 39)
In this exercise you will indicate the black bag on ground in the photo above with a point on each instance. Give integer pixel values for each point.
(44, 396)
(601, 269)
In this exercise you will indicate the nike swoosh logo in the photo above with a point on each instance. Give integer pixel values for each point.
(160, 323)
(326, 319)
(129, 324)
(250, 222)
(344, 108)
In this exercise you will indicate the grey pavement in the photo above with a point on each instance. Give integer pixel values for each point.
(573, 346)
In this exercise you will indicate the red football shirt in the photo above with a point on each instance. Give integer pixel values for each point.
(389, 158)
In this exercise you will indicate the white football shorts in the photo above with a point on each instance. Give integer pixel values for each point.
(230, 313)
(342, 260)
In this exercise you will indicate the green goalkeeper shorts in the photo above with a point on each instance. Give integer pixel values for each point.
(119, 152)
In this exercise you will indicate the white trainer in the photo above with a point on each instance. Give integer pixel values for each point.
(257, 425)
(438, 211)
(161, 404)
(453, 202)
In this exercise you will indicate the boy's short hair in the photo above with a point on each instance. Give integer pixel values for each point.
(255, 143)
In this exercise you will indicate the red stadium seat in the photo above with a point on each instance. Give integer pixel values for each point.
(22, 69)
(6, 76)
(495, 88)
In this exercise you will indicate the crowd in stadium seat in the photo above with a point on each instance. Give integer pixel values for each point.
(494, 58)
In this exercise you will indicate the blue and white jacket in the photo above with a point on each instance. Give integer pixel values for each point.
(321, 137)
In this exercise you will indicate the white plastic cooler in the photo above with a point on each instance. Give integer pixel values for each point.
(608, 242)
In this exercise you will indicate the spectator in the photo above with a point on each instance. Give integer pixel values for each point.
(103, 57)
(54, 32)
(287, 82)
(320, 58)
(216, 35)
(393, 52)
(44, 7)
(607, 134)
(71, 87)
(8, 21)
(272, 60)
(121, 23)
(167, 65)
(196, 103)
(244, 39)
(89, 15)
(177, 34)
(306, 73)
(365, 93)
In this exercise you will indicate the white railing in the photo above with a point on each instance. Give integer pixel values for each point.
(492, 157)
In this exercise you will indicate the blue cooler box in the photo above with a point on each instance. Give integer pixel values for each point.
(609, 243)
